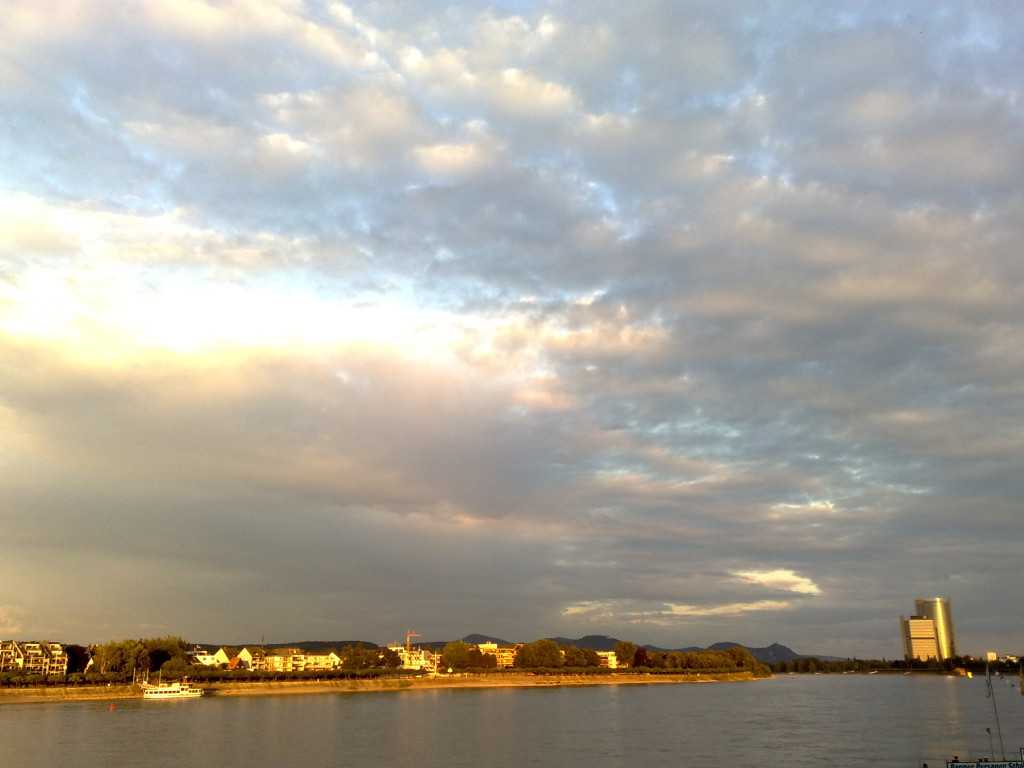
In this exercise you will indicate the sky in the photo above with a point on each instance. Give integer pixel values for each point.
(682, 322)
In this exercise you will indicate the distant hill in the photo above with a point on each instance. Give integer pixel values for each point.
(472, 639)
(305, 645)
(769, 654)
(322, 645)
(475, 638)
(591, 642)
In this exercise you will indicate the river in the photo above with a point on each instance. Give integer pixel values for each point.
(791, 720)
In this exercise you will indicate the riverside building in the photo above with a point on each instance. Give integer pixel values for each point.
(929, 633)
(33, 658)
(937, 609)
(504, 655)
(919, 641)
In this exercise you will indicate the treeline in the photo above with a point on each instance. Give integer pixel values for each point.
(812, 665)
(125, 658)
(735, 659)
(460, 655)
(548, 655)
(358, 657)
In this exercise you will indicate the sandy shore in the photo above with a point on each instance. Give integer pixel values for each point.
(304, 687)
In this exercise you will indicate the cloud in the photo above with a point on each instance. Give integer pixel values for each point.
(617, 610)
(524, 318)
(780, 578)
(10, 624)
(591, 609)
(729, 609)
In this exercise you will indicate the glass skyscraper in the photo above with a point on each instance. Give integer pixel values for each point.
(937, 609)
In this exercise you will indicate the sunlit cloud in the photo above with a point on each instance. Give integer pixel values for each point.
(780, 578)
(673, 614)
(728, 609)
(592, 609)
(809, 509)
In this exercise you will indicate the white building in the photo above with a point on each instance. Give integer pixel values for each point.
(416, 658)
(608, 659)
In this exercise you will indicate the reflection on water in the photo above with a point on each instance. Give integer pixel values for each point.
(805, 720)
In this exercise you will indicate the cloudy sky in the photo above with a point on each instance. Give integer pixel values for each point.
(681, 322)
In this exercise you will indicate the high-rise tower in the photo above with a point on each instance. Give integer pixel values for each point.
(919, 640)
(937, 609)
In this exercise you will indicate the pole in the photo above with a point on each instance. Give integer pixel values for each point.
(995, 711)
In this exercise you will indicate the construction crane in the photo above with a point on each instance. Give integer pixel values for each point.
(408, 639)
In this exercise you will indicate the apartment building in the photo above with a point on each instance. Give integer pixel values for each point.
(268, 660)
(296, 660)
(33, 658)
(505, 654)
(416, 658)
(608, 659)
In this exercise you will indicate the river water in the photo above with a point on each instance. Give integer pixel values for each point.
(791, 720)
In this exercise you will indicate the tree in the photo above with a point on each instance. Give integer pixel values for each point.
(174, 668)
(624, 653)
(540, 653)
(78, 658)
(456, 655)
(640, 657)
(478, 660)
(163, 649)
(580, 657)
(358, 657)
(573, 657)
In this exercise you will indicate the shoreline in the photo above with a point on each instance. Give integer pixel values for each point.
(55, 694)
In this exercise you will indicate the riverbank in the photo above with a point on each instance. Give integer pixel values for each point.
(52, 694)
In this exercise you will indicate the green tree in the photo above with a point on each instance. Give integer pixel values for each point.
(78, 657)
(456, 655)
(478, 660)
(540, 653)
(573, 657)
(580, 657)
(357, 657)
(175, 668)
(625, 652)
(163, 649)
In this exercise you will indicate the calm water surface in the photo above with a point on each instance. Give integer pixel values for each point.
(791, 720)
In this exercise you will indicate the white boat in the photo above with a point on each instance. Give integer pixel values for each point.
(170, 691)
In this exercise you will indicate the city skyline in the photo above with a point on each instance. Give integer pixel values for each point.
(685, 322)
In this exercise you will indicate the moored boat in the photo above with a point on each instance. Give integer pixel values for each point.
(170, 691)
